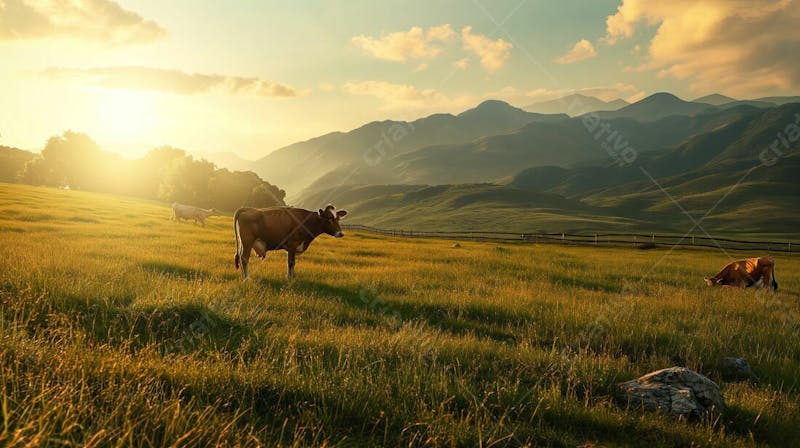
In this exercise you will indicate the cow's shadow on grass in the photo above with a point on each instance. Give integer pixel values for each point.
(478, 320)
(175, 270)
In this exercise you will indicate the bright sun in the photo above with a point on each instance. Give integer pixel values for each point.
(127, 115)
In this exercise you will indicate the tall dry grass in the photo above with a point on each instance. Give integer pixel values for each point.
(120, 327)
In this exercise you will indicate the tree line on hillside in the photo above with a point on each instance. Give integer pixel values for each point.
(73, 160)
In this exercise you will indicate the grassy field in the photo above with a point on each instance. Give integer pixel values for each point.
(119, 327)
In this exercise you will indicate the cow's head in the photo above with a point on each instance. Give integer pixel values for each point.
(330, 221)
(713, 281)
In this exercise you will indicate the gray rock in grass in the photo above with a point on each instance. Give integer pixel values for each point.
(676, 390)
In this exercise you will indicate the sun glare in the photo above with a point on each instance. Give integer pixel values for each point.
(127, 115)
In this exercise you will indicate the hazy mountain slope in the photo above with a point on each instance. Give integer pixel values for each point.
(224, 159)
(735, 135)
(12, 160)
(715, 99)
(779, 100)
(298, 165)
(698, 173)
(576, 104)
(757, 199)
(540, 144)
(656, 106)
(563, 143)
(703, 170)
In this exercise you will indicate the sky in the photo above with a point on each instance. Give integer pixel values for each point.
(251, 76)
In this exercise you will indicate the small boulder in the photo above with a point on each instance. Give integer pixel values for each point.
(456, 245)
(675, 390)
(736, 369)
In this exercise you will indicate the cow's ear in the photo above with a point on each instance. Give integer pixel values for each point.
(320, 212)
(341, 213)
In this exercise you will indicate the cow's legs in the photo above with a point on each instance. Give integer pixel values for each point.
(767, 279)
(245, 258)
(290, 260)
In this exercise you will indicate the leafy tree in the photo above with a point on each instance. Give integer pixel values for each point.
(37, 172)
(186, 180)
(267, 195)
(165, 173)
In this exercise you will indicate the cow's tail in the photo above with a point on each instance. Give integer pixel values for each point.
(774, 282)
(238, 238)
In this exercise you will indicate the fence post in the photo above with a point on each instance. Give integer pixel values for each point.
(634, 240)
(790, 247)
(595, 239)
(692, 240)
(653, 238)
(562, 237)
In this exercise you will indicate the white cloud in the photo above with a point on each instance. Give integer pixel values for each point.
(99, 20)
(734, 46)
(171, 81)
(415, 43)
(326, 86)
(405, 96)
(418, 43)
(461, 64)
(582, 50)
(421, 67)
(493, 54)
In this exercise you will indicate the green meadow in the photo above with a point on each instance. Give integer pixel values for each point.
(119, 327)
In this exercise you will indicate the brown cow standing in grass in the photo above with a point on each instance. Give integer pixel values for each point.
(746, 273)
(180, 211)
(287, 228)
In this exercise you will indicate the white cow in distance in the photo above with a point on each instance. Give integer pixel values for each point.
(180, 211)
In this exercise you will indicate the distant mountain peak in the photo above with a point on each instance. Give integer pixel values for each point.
(656, 106)
(493, 103)
(715, 99)
(575, 104)
(660, 96)
(492, 106)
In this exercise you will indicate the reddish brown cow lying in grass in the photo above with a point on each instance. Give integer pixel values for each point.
(180, 211)
(276, 228)
(758, 272)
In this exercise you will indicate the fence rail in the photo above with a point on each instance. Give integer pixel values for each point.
(616, 239)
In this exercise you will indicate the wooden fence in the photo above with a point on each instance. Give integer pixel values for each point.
(642, 240)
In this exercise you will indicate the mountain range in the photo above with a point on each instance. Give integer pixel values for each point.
(557, 174)
(641, 166)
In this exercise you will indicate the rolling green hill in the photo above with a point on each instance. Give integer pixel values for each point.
(473, 207)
